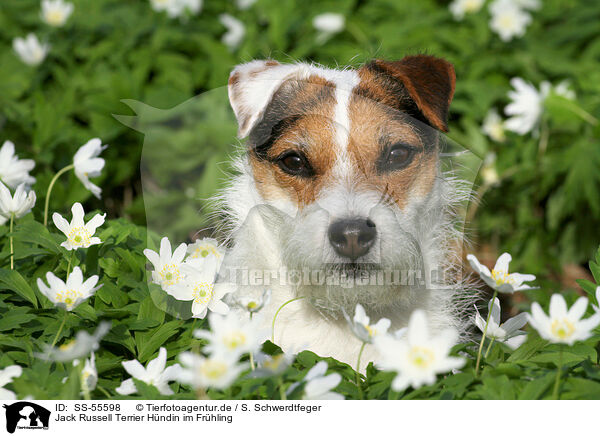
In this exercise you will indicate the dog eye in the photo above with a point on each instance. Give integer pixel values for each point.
(397, 157)
(295, 164)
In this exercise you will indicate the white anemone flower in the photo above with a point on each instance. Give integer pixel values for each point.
(206, 247)
(235, 31)
(493, 126)
(81, 346)
(16, 205)
(489, 174)
(56, 12)
(509, 20)
(6, 376)
(507, 332)
(71, 294)
(244, 4)
(318, 385)
(269, 366)
(231, 335)
(563, 326)
(499, 278)
(154, 374)
(198, 285)
(216, 371)
(167, 266)
(526, 106)
(460, 8)
(329, 23)
(14, 171)
(417, 357)
(597, 308)
(30, 50)
(79, 234)
(89, 373)
(252, 303)
(361, 327)
(87, 164)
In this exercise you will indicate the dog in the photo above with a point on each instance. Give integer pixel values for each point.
(339, 184)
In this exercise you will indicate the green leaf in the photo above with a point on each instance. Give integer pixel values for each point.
(14, 281)
(148, 343)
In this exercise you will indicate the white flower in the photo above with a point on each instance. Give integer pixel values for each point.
(216, 371)
(6, 376)
(563, 326)
(528, 4)
(206, 247)
(18, 205)
(81, 346)
(231, 335)
(235, 31)
(269, 366)
(70, 294)
(526, 106)
(460, 8)
(318, 385)
(509, 20)
(244, 4)
(154, 374)
(78, 233)
(14, 171)
(89, 373)
(176, 8)
(167, 265)
(329, 23)
(488, 170)
(88, 164)
(417, 357)
(198, 285)
(56, 12)
(501, 332)
(251, 303)
(30, 50)
(493, 126)
(362, 329)
(563, 89)
(499, 278)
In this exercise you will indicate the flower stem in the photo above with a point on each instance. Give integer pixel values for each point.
(69, 264)
(360, 392)
(52, 182)
(104, 391)
(558, 373)
(487, 351)
(487, 322)
(277, 313)
(252, 366)
(83, 382)
(544, 137)
(10, 238)
(282, 394)
(585, 115)
(60, 329)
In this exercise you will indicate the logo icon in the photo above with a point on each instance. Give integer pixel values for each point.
(26, 415)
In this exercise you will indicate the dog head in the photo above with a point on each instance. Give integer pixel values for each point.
(352, 155)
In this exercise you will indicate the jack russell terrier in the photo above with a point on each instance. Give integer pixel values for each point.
(339, 198)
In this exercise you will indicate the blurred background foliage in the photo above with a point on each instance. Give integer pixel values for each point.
(544, 210)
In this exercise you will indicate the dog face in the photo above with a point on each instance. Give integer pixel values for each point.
(352, 155)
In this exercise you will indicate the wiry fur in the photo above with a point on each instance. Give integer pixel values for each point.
(268, 235)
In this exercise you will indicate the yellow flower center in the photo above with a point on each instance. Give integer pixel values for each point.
(68, 297)
(472, 5)
(202, 292)
(562, 328)
(79, 237)
(235, 339)
(507, 21)
(205, 250)
(55, 17)
(372, 332)
(421, 357)
(213, 369)
(274, 363)
(501, 277)
(67, 346)
(170, 274)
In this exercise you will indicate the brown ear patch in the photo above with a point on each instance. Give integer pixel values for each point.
(428, 81)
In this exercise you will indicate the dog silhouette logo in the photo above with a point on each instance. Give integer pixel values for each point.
(26, 415)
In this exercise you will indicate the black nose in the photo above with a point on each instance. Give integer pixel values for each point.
(352, 238)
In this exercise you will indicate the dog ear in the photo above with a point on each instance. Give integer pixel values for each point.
(251, 88)
(429, 81)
